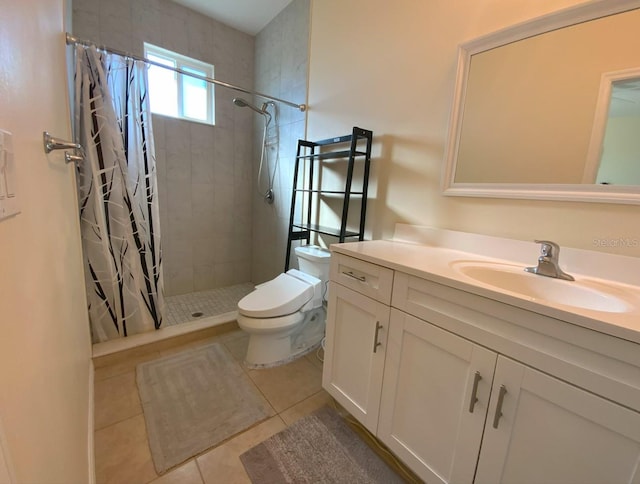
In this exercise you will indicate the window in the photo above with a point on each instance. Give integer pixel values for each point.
(177, 95)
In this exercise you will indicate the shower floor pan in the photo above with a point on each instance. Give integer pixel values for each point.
(193, 306)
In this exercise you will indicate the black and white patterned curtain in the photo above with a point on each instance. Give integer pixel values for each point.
(117, 195)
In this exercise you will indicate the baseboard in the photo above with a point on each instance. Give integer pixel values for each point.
(91, 428)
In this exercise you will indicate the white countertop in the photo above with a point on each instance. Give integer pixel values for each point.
(421, 257)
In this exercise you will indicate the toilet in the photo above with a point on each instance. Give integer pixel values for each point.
(285, 317)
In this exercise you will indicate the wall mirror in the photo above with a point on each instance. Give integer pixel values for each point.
(550, 109)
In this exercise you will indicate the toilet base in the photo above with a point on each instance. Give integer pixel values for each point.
(289, 359)
(275, 349)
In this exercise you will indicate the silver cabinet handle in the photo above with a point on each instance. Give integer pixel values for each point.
(498, 414)
(376, 343)
(474, 391)
(353, 276)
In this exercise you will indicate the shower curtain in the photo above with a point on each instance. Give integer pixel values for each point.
(117, 195)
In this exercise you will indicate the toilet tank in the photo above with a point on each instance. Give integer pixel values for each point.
(314, 260)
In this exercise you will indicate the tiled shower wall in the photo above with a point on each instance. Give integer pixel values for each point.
(281, 58)
(216, 230)
(204, 172)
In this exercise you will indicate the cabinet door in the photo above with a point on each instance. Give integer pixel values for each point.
(549, 431)
(355, 346)
(434, 399)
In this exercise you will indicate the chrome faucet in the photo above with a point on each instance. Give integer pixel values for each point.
(548, 261)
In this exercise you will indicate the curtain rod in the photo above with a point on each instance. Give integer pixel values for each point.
(71, 40)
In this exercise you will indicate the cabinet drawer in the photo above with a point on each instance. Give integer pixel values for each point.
(414, 295)
(364, 277)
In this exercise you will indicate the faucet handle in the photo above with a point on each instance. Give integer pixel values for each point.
(548, 248)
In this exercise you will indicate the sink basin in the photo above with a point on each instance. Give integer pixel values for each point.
(583, 293)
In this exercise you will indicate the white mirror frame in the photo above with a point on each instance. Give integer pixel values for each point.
(570, 192)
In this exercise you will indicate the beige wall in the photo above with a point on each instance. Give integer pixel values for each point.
(390, 67)
(44, 330)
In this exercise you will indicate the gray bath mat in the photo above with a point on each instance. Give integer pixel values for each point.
(317, 448)
(195, 399)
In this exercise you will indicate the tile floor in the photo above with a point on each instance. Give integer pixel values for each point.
(121, 450)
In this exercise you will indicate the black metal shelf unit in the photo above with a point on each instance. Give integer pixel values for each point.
(310, 159)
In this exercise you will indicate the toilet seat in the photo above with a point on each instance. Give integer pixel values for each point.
(281, 296)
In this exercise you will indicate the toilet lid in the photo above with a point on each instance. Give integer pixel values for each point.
(283, 295)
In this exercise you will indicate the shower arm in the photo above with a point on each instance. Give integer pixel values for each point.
(242, 103)
(71, 40)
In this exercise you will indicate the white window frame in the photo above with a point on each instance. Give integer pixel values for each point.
(182, 62)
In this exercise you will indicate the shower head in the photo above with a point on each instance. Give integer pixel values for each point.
(241, 103)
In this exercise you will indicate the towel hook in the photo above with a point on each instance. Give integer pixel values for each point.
(69, 158)
(51, 143)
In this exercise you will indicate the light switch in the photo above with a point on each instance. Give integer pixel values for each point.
(10, 175)
(8, 198)
(3, 171)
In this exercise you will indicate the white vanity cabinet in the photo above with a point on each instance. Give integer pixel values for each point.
(475, 390)
(356, 336)
(434, 399)
(443, 407)
(541, 429)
